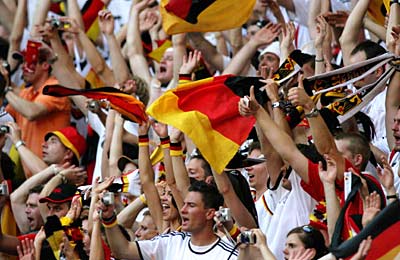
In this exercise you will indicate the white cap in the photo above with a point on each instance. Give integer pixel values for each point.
(273, 48)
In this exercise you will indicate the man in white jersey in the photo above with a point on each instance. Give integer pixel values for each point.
(197, 241)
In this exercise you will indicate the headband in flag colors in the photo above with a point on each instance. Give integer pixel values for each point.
(207, 111)
(384, 230)
(125, 104)
(180, 16)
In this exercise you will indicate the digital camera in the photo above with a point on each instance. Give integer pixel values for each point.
(247, 237)
(3, 189)
(108, 198)
(225, 215)
(58, 24)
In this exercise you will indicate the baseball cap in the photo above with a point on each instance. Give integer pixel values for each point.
(62, 193)
(71, 139)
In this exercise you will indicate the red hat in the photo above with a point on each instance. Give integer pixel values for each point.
(71, 139)
(62, 193)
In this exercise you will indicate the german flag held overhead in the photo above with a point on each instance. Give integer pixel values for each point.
(204, 16)
(207, 111)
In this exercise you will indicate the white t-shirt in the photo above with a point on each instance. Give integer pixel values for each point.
(266, 206)
(293, 210)
(177, 245)
(394, 163)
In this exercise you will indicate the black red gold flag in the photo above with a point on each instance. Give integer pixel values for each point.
(204, 16)
(127, 105)
(384, 230)
(207, 111)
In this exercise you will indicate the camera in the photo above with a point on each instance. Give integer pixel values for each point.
(247, 237)
(4, 129)
(58, 24)
(108, 198)
(225, 215)
(94, 105)
(3, 189)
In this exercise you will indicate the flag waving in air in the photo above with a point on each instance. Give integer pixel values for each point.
(203, 16)
(207, 111)
(125, 104)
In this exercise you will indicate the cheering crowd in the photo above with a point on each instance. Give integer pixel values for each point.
(83, 177)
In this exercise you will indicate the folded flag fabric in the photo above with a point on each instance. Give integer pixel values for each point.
(384, 230)
(207, 111)
(204, 16)
(125, 104)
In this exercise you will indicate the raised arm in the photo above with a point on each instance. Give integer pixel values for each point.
(265, 36)
(136, 57)
(162, 132)
(120, 69)
(328, 178)
(281, 141)
(116, 145)
(120, 247)
(354, 25)
(393, 91)
(19, 196)
(147, 177)
(323, 139)
(20, 22)
(31, 160)
(239, 212)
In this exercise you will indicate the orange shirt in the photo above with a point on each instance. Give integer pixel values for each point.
(58, 117)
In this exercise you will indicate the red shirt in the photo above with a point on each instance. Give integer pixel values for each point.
(354, 211)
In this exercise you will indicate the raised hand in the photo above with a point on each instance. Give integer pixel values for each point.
(371, 208)
(248, 105)
(160, 129)
(106, 22)
(288, 35)
(322, 30)
(329, 175)
(75, 209)
(27, 250)
(267, 34)
(75, 175)
(176, 135)
(386, 175)
(337, 19)
(298, 96)
(190, 62)
(99, 187)
(144, 128)
(363, 249)
(147, 20)
(271, 88)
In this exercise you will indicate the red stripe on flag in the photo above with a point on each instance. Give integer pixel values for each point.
(220, 105)
(384, 243)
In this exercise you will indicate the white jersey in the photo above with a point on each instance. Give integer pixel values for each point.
(177, 245)
(266, 205)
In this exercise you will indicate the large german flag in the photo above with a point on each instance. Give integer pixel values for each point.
(204, 16)
(384, 230)
(125, 104)
(207, 111)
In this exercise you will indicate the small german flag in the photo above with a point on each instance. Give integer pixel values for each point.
(207, 111)
(125, 104)
(204, 16)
